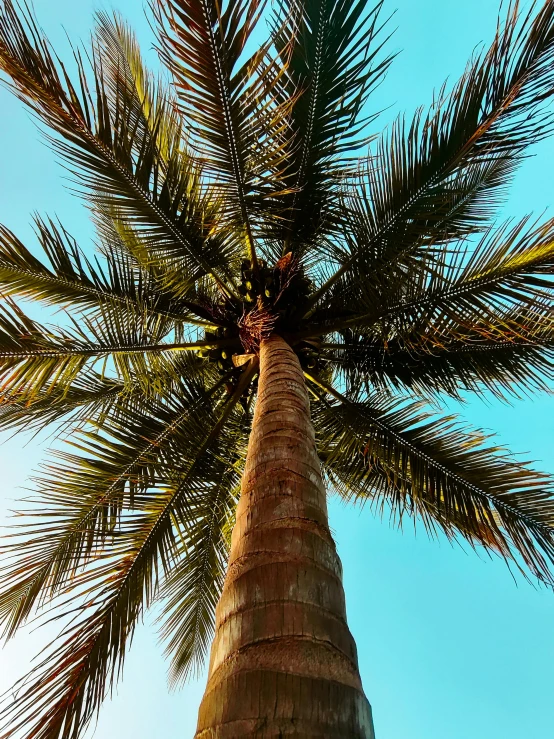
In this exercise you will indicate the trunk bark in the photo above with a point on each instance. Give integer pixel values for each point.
(283, 661)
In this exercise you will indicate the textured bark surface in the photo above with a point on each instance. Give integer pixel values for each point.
(283, 661)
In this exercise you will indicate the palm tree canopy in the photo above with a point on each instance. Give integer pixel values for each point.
(243, 198)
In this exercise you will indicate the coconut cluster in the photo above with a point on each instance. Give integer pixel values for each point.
(272, 298)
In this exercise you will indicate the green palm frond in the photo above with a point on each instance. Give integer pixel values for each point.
(439, 177)
(482, 318)
(71, 279)
(331, 55)
(238, 121)
(510, 264)
(506, 368)
(94, 397)
(506, 350)
(124, 508)
(118, 463)
(91, 396)
(120, 164)
(93, 488)
(441, 472)
(147, 109)
(34, 358)
(127, 252)
(192, 589)
(132, 92)
(143, 515)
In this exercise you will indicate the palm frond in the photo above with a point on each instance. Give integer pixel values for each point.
(115, 158)
(123, 245)
(91, 396)
(192, 589)
(71, 279)
(483, 319)
(34, 358)
(330, 52)
(438, 470)
(238, 120)
(509, 265)
(506, 367)
(131, 87)
(94, 397)
(148, 108)
(440, 177)
(155, 499)
(87, 493)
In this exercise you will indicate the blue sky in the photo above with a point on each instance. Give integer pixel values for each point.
(450, 646)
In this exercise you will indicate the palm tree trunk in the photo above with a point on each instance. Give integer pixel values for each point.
(283, 661)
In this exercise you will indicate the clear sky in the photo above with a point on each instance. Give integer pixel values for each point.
(450, 646)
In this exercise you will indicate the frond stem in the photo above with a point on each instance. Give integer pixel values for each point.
(231, 139)
(135, 349)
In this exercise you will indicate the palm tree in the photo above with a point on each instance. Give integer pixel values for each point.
(277, 302)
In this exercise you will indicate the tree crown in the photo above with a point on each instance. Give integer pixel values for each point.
(243, 199)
